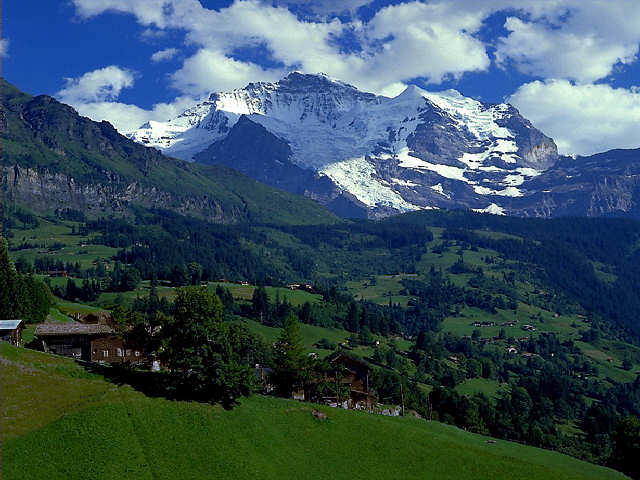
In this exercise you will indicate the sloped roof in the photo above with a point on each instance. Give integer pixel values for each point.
(342, 358)
(72, 328)
(9, 324)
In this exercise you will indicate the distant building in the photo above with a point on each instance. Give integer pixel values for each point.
(58, 273)
(11, 331)
(354, 373)
(92, 342)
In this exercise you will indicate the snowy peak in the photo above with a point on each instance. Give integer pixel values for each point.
(419, 149)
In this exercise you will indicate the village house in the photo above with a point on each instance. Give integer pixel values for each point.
(87, 341)
(354, 373)
(11, 331)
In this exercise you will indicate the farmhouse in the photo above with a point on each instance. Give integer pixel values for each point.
(354, 374)
(92, 342)
(11, 331)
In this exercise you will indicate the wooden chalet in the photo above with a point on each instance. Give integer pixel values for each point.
(87, 341)
(11, 331)
(354, 373)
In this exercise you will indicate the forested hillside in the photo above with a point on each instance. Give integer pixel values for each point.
(485, 322)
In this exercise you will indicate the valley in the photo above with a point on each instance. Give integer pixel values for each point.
(478, 326)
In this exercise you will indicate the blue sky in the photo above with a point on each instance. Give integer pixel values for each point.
(569, 65)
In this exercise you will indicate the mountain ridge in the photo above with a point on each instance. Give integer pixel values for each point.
(54, 158)
(418, 150)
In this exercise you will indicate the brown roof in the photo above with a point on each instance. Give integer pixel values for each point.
(72, 328)
(346, 358)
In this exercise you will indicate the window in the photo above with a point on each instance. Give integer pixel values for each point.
(119, 351)
(137, 353)
(105, 353)
(128, 352)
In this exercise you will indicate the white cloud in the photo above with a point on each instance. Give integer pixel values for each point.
(164, 55)
(402, 42)
(147, 12)
(393, 89)
(97, 85)
(326, 7)
(4, 47)
(125, 117)
(210, 70)
(94, 95)
(582, 119)
(580, 40)
(150, 35)
(431, 41)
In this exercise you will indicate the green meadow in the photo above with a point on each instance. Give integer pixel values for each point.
(61, 422)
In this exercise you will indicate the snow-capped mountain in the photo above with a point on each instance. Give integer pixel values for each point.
(318, 136)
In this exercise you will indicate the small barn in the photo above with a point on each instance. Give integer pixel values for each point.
(11, 331)
(87, 341)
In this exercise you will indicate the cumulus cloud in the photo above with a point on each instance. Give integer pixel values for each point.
(430, 41)
(97, 85)
(433, 41)
(583, 119)
(147, 12)
(580, 40)
(164, 55)
(95, 95)
(210, 70)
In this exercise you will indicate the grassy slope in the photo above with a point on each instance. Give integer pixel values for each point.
(100, 430)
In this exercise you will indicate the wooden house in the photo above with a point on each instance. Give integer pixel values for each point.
(92, 342)
(354, 374)
(11, 331)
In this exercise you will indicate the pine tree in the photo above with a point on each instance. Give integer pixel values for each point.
(8, 279)
(289, 359)
(260, 304)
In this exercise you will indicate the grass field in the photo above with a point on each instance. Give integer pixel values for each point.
(479, 385)
(240, 293)
(61, 422)
(386, 287)
(72, 248)
(311, 334)
(245, 292)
